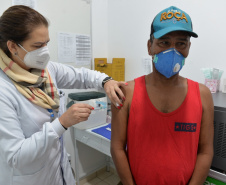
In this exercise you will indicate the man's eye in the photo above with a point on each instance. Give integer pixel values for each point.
(181, 45)
(164, 43)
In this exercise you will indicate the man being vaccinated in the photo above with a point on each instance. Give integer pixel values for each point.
(164, 132)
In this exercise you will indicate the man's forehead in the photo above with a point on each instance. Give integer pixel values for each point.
(176, 35)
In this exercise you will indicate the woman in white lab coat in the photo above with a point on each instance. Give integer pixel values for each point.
(31, 148)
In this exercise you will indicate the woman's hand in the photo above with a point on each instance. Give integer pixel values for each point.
(75, 114)
(114, 93)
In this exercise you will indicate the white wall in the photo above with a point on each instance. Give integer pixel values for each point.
(100, 28)
(129, 28)
(72, 16)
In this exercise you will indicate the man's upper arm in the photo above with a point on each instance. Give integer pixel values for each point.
(207, 129)
(120, 119)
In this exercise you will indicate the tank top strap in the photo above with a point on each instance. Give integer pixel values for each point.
(194, 92)
(193, 89)
(140, 86)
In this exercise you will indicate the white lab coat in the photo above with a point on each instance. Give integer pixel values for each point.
(30, 148)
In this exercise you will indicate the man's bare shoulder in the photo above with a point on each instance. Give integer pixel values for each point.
(128, 92)
(205, 94)
(204, 90)
(128, 88)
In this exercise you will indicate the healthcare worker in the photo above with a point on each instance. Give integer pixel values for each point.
(31, 147)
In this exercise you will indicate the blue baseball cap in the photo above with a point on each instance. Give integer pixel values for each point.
(171, 19)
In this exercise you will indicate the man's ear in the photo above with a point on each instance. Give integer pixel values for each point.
(12, 46)
(149, 47)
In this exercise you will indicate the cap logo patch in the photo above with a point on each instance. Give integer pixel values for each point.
(170, 15)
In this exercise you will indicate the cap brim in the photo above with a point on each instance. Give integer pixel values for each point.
(165, 31)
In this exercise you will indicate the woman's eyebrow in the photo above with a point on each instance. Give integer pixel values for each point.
(41, 42)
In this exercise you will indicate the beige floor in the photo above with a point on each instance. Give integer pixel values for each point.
(102, 177)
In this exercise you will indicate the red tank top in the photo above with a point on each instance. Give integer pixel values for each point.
(162, 147)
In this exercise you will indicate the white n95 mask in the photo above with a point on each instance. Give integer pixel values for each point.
(37, 59)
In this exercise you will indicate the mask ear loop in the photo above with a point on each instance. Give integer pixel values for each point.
(16, 54)
(22, 48)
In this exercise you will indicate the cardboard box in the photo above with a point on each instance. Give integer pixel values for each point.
(102, 66)
(118, 69)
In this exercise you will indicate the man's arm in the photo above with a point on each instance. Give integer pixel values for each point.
(205, 149)
(118, 138)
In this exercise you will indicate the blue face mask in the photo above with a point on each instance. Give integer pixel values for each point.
(169, 62)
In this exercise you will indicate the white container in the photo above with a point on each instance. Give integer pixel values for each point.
(224, 86)
(97, 117)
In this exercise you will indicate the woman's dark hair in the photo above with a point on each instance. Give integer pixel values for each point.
(16, 24)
